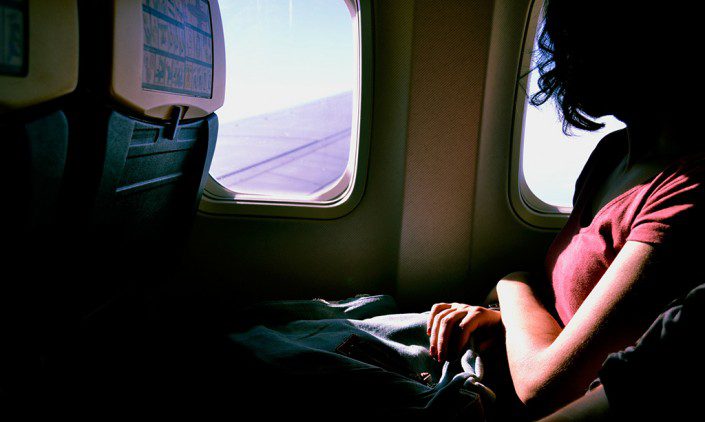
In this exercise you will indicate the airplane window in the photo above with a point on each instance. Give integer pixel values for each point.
(551, 161)
(288, 126)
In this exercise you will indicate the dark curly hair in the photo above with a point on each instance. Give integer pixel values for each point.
(599, 57)
(556, 61)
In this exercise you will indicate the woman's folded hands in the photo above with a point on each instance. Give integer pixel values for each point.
(452, 327)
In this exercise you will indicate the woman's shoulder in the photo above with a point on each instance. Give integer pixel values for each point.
(691, 163)
(687, 171)
(672, 205)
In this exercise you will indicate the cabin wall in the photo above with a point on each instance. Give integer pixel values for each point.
(434, 222)
(501, 242)
(449, 62)
(247, 258)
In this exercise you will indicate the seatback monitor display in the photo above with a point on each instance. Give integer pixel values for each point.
(166, 54)
(178, 47)
(13, 37)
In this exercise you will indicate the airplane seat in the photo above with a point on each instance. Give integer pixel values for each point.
(143, 132)
(152, 76)
(39, 43)
(38, 69)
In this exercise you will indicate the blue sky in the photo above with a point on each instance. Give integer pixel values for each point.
(281, 53)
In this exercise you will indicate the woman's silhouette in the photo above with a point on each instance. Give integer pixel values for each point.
(630, 245)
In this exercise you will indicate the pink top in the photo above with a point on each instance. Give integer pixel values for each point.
(655, 212)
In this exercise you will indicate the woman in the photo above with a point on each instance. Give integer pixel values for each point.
(624, 252)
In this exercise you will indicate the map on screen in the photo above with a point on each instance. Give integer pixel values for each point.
(178, 47)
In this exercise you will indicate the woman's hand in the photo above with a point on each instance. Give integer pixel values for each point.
(451, 325)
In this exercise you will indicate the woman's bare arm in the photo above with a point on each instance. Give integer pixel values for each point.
(551, 366)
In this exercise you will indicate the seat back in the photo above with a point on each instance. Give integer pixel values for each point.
(152, 75)
(148, 122)
(39, 66)
(38, 69)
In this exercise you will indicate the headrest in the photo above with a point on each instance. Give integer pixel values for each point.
(166, 54)
(38, 51)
